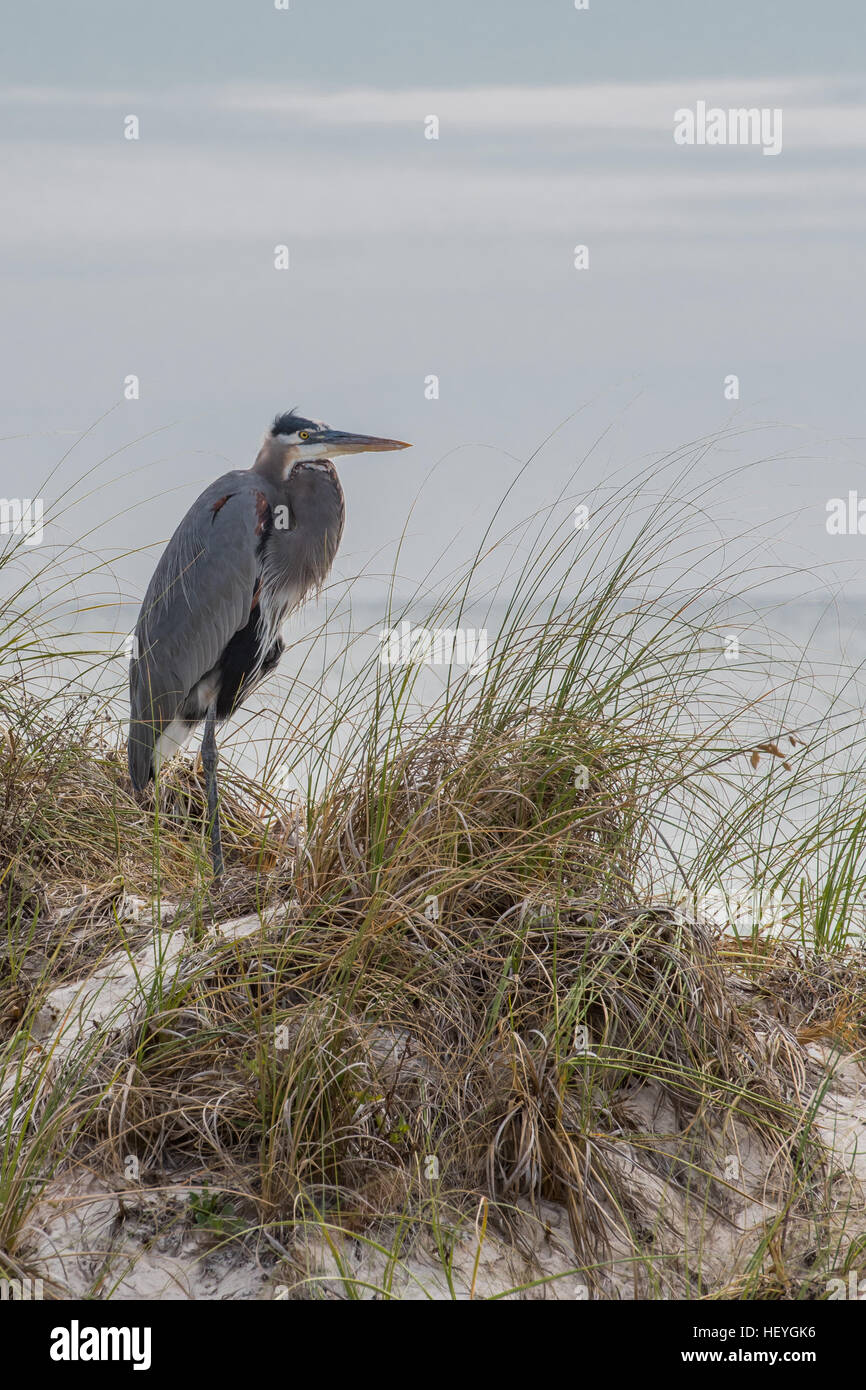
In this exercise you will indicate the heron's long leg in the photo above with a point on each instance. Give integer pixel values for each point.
(209, 761)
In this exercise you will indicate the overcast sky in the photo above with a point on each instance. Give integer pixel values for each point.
(411, 257)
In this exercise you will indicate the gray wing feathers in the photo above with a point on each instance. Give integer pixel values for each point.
(200, 595)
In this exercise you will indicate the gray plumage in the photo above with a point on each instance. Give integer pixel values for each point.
(248, 552)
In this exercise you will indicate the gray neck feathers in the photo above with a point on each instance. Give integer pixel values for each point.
(298, 556)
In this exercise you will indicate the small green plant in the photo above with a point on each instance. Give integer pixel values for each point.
(210, 1211)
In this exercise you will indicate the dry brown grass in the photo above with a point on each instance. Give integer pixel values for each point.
(464, 972)
(476, 1009)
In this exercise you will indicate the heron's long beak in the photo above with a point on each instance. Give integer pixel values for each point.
(338, 442)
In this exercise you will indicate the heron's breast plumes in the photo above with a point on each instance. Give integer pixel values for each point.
(298, 547)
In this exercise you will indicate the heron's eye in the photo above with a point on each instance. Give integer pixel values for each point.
(304, 434)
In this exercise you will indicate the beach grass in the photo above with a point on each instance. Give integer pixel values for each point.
(477, 1010)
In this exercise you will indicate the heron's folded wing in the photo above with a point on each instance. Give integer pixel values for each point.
(200, 595)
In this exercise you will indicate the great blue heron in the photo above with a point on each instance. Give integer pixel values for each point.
(249, 551)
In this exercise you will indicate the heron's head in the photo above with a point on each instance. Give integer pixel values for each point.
(304, 441)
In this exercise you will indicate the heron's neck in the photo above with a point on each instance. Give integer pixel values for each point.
(271, 460)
